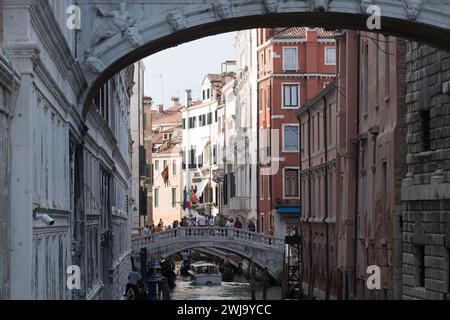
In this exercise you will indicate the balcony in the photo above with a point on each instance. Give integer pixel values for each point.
(239, 203)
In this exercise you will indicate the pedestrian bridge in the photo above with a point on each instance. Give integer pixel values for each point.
(265, 251)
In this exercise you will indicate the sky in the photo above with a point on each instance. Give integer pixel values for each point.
(170, 72)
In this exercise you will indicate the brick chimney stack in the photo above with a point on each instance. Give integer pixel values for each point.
(160, 108)
(175, 101)
(188, 98)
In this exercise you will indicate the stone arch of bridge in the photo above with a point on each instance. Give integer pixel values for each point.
(136, 29)
(273, 271)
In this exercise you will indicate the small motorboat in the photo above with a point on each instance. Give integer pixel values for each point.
(205, 273)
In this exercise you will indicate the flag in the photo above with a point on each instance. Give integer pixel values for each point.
(194, 198)
(165, 175)
(184, 199)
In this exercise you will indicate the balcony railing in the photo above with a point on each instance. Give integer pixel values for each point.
(239, 203)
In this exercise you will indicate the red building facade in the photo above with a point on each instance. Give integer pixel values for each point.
(353, 161)
(294, 64)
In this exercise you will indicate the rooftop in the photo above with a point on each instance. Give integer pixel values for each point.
(300, 32)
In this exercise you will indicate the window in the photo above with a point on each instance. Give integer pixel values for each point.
(290, 58)
(330, 55)
(192, 121)
(269, 97)
(101, 101)
(174, 167)
(210, 118)
(384, 196)
(261, 187)
(156, 196)
(318, 131)
(329, 135)
(204, 95)
(174, 197)
(377, 83)
(290, 138)
(261, 99)
(420, 265)
(156, 165)
(290, 95)
(184, 123)
(202, 120)
(425, 124)
(387, 70)
(215, 116)
(192, 159)
(366, 78)
(291, 188)
(362, 189)
(215, 154)
(208, 93)
(164, 164)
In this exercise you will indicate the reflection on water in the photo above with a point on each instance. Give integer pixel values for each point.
(185, 290)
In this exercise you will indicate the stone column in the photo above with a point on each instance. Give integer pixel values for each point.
(21, 200)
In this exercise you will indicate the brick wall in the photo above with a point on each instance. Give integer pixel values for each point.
(426, 215)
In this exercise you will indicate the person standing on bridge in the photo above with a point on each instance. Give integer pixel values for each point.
(201, 221)
(251, 226)
(238, 223)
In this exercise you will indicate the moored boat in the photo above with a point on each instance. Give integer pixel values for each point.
(205, 273)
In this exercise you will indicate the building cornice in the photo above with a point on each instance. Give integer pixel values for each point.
(49, 32)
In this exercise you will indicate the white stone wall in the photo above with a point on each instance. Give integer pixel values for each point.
(92, 224)
(9, 84)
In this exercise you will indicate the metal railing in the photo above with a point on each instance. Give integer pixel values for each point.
(208, 234)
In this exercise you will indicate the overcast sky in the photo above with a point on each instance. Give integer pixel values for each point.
(170, 72)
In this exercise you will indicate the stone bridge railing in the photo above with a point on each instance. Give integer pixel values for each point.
(209, 234)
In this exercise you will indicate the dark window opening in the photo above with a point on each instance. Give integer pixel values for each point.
(420, 266)
(425, 123)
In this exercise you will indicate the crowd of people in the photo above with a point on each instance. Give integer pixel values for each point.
(202, 220)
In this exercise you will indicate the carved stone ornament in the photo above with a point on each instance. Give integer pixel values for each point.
(108, 24)
(365, 4)
(177, 20)
(222, 8)
(413, 8)
(93, 63)
(319, 5)
(271, 6)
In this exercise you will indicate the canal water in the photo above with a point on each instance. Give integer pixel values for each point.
(238, 290)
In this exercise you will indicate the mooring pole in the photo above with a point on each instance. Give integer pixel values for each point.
(252, 281)
(265, 284)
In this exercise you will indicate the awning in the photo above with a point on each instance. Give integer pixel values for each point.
(202, 187)
(288, 209)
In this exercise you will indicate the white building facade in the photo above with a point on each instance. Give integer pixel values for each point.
(137, 135)
(200, 144)
(239, 121)
(75, 170)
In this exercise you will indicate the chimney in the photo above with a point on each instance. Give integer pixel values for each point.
(160, 108)
(175, 101)
(188, 98)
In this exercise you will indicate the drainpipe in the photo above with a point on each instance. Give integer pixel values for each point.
(301, 267)
(327, 241)
(258, 175)
(358, 98)
(309, 207)
(269, 187)
(1, 21)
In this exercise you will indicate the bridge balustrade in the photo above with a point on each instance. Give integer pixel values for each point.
(208, 233)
